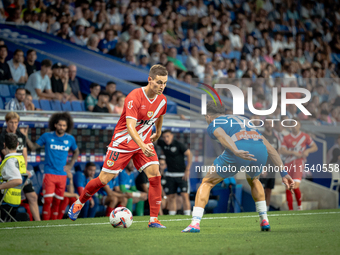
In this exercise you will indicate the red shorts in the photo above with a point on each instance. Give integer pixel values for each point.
(54, 185)
(295, 169)
(115, 161)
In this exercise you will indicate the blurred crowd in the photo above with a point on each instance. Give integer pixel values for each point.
(269, 42)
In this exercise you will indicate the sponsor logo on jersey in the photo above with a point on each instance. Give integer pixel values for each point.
(173, 149)
(110, 163)
(129, 105)
(150, 113)
(59, 147)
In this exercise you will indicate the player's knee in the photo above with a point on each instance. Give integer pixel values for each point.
(32, 197)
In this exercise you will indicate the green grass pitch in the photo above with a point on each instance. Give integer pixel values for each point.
(304, 232)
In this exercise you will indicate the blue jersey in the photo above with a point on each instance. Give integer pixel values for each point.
(79, 180)
(56, 151)
(105, 44)
(128, 180)
(246, 137)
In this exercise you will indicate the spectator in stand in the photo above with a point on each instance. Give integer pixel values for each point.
(64, 32)
(109, 42)
(18, 70)
(114, 98)
(80, 181)
(93, 42)
(126, 180)
(110, 88)
(39, 83)
(74, 83)
(326, 119)
(5, 72)
(31, 64)
(29, 101)
(177, 175)
(120, 50)
(79, 36)
(120, 105)
(57, 143)
(92, 99)
(17, 103)
(12, 121)
(102, 104)
(56, 82)
(67, 95)
(336, 146)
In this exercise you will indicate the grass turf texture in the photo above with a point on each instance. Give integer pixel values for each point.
(304, 232)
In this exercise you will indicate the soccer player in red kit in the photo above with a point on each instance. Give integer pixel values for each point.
(132, 138)
(294, 147)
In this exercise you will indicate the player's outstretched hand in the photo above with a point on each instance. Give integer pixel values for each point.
(148, 150)
(289, 182)
(245, 155)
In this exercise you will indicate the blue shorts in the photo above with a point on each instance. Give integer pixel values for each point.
(227, 164)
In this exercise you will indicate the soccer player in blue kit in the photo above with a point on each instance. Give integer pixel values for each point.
(245, 148)
(57, 144)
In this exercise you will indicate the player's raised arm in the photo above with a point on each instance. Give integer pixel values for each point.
(131, 128)
(228, 143)
(276, 159)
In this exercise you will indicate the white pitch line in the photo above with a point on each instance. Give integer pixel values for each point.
(208, 218)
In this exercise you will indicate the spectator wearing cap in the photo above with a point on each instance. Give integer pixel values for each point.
(109, 42)
(92, 99)
(18, 70)
(39, 83)
(31, 64)
(73, 81)
(56, 82)
(78, 37)
(102, 104)
(17, 103)
(5, 72)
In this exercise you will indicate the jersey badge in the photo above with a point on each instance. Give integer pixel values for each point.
(110, 163)
(150, 113)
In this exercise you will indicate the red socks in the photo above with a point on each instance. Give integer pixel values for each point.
(155, 195)
(289, 199)
(55, 208)
(91, 188)
(108, 210)
(298, 196)
(62, 208)
(47, 208)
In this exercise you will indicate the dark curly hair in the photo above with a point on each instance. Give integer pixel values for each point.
(56, 117)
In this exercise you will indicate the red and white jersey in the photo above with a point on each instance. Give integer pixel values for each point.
(145, 111)
(296, 143)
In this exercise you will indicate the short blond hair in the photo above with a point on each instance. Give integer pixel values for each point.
(12, 115)
(157, 70)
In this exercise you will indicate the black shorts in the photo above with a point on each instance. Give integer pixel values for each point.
(268, 183)
(28, 188)
(174, 184)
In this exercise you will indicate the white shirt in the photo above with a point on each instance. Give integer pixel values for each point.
(18, 72)
(235, 40)
(276, 46)
(10, 170)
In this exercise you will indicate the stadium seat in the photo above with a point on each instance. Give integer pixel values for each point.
(83, 106)
(36, 103)
(66, 106)
(2, 106)
(13, 89)
(76, 106)
(45, 105)
(7, 99)
(4, 91)
(56, 106)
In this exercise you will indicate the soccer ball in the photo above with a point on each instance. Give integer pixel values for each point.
(121, 217)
